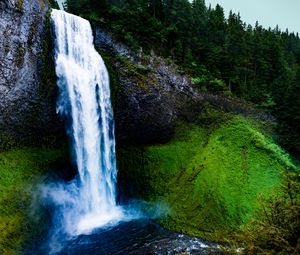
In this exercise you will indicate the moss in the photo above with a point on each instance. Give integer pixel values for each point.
(109, 60)
(212, 180)
(20, 55)
(7, 141)
(20, 171)
(20, 5)
(32, 33)
(49, 77)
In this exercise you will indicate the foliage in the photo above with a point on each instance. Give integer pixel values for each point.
(20, 171)
(210, 177)
(276, 229)
(222, 55)
(54, 4)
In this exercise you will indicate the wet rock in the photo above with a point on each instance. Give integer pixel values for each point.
(151, 96)
(27, 107)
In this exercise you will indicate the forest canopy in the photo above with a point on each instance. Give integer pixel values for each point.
(221, 54)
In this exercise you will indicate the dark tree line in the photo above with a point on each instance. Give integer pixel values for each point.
(222, 55)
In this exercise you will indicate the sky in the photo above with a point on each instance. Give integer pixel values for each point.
(268, 13)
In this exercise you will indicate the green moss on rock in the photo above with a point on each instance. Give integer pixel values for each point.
(115, 87)
(20, 172)
(211, 181)
(20, 5)
(20, 55)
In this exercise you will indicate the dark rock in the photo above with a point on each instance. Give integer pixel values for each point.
(27, 104)
(151, 94)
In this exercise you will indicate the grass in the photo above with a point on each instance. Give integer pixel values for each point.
(20, 171)
(276, 228)
(211, 180)
(239, 166)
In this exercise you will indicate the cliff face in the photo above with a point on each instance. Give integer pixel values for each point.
(27, 103)
(188, 151)
(149, 95)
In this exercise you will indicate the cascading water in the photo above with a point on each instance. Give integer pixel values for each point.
(84, 102)
(88, 201)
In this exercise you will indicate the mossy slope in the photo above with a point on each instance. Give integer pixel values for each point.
(20, 170)
(211, 182)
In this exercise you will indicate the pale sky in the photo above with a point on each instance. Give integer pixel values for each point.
(268, 13)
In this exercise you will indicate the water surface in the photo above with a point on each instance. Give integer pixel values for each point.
(135, 237)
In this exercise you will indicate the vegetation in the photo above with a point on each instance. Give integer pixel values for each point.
(212, 180)
(20, 5)
(20, 172)
(222, 178)
(277, 227)
(231, 180)
(222, 55)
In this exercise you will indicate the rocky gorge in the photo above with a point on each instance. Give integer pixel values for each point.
(206, 159)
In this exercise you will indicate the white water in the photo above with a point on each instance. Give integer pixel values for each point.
(84, 102)
(61, 4)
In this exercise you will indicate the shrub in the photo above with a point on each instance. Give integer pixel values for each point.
(277, 228)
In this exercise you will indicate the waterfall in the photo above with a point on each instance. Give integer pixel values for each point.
(84, 103)
(61, 4)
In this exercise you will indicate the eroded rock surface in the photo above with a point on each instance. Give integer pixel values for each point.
(27, 103)
(151, 93)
